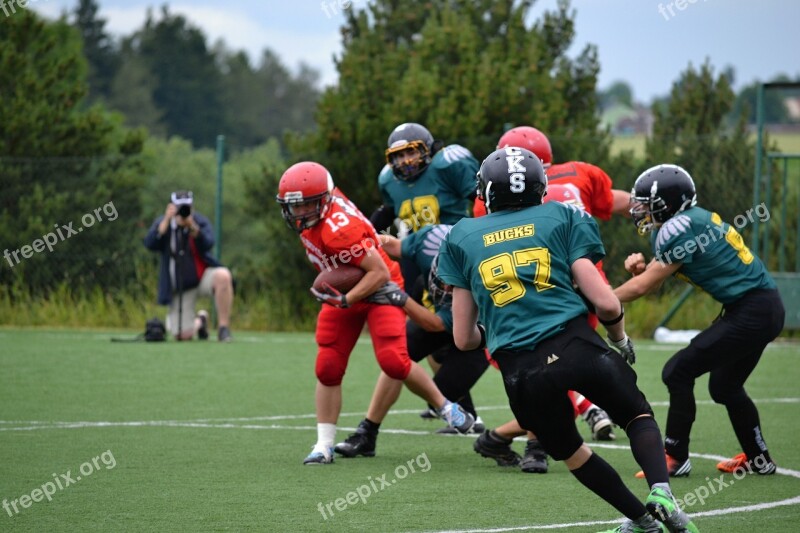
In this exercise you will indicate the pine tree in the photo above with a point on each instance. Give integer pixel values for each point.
(467, 70)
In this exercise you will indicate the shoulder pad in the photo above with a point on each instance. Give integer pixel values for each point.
(450, 154)
(672, 228)
(433, 239)
(575, 208)
(385, 175)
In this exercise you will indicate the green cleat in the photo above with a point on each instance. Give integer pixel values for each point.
(645, 524)
(663, 507)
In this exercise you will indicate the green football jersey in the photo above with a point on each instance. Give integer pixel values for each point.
(422, 247)
(713, 255)
(440, 195)
(517, 264)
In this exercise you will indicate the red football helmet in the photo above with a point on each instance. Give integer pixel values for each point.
(303, 184)
(564, 194)
(530, 139)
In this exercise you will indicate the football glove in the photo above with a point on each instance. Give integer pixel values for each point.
(625, 348)
(329, 295)
(389, 294)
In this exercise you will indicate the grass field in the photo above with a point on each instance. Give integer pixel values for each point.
(210, 437)
(787, 143)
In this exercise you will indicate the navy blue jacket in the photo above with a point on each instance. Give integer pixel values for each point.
(188, 273)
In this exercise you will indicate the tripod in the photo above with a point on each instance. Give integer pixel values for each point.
(178, 257)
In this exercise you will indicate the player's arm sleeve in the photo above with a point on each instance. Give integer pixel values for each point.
(446, 316)
(602, 199)
(382, 218)
(584, 238)
(384, 178)
(675, 241)
(451, 265)
(408, 245)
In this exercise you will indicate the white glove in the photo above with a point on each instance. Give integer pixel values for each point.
(625, 348)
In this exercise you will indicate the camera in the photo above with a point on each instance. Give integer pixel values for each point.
(185, 210)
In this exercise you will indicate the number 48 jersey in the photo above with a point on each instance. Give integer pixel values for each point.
(517, 264)
(440, 195)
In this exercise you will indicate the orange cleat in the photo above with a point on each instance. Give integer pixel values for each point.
(675, 468)
(758, 466)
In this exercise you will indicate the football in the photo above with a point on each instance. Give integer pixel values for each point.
(342, 278)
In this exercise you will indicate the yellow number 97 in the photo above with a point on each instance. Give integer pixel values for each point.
(500, 277)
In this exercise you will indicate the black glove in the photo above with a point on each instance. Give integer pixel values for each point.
(389, 294)
(625, 348)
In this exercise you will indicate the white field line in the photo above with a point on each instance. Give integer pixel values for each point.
(43, 424)
(206, 423)
(715, 512)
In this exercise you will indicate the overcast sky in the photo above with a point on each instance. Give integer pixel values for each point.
(644, 42)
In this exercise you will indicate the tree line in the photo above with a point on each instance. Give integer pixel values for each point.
(87, 120)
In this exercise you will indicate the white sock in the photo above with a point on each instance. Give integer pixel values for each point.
(326, 433)
(444, 406)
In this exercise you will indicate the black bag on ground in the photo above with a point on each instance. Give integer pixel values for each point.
(155, 330)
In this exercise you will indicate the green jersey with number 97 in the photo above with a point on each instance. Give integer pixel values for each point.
(440, 195)
(517, 264)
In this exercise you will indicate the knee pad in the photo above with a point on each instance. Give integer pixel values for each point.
(330, 367)
(394, 363)
(674, 377)
(724, 395)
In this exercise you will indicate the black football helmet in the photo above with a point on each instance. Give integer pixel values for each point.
(511, 177)
(441, 293)
(409, 136)
(658, 194)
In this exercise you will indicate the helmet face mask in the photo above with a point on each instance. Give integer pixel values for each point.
(410, 151)
(298, 218)
(660, 193)
(304, 194)
(510, 178)
(441, 293)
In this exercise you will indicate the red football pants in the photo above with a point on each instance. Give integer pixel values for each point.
(339, 329)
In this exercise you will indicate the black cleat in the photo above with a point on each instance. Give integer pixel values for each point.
(202, 332)
(535, 459)
(601, 425)
(488, 446)
(224, 334)
(362, 442)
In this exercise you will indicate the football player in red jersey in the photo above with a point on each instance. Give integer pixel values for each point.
(334, 232)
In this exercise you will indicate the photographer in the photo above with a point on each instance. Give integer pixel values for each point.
(185, 237)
